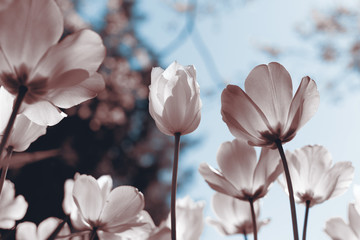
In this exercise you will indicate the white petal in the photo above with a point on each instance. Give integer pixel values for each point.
(26, 231)
(43, 113)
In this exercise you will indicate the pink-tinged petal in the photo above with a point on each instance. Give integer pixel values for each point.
(103, 235)
(106, 184)
(237, 161)
(163, 234)
(81, 50)
(6, 105)
(343, 172)
(68, 203)
(303, 106)
(121, 206)
(71, 96)
(43, 113)
(68, 79)
(28, 29)
(24, 133)
(242, 116)
(217, 181)
(337, 229)
(354, 219)
(270, 87)
(161, 125)
(47, 227)
(142, 232)
(26, 231)
(78, 221)
(222, 227)
(88, 198)
(155, 74)
(267, 169)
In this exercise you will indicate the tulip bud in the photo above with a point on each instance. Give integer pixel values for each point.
(175, 99)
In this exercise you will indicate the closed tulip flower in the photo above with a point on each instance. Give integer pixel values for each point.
(175, 99)
(267, 111)
(234, 215)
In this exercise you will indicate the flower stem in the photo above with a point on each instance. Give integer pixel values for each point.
(306, 218)
(290, 189)
(10, 124)
(251, 201)
(5, 168)
(93, 235)
(245, 236)
(173, 186)
(58, 228)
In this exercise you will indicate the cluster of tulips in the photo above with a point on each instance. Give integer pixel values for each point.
(40, 75)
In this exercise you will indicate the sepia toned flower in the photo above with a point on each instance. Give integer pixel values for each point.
(11, 208)
(314, 177)
(104, 211)
(50, 73)
(189, 220)
(241, 176)
(267, 111)
(337, 229)
(174, 99)
(234, 215)
(29, 230)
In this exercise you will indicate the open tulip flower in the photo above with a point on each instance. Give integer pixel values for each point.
(11, 208)
(29, 230)
(47, 73)
(103, 212)
(267, 112)
(315, 179)
(175, 99)
(241, 175)
(234, 215)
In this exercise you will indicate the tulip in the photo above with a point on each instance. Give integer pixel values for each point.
(234, 215)
(267, 112)
(174, 99)
(103, 212)
(11, 208)
(314, 179)
(337, 229)
(241, 176)
(268, 115)
(174, 104)
(29, 230)
(189, 220)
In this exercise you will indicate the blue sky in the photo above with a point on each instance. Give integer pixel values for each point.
(232, 35)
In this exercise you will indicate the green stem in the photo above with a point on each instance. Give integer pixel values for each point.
(253, 217)
(5, 168)
(10, 124)
(290, 188)
(173, 186)
(306, 218)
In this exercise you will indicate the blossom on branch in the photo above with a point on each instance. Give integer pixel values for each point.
(267, 111)
(54, 74)
(174, 99)
(241, 176)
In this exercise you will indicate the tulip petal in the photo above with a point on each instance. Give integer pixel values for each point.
(270, 87)
(243, 118)
(71, 96)
(237, 161)
(217, 181)
(42, 113)
(28, 29)
(47, 227)
(88, 198)
(267, 169)
(303, 106)
(81, 50)
(26, 230)
(6, 105)
(343, 173)
(336, 228)
(354, 219)
(121, 206)
(106, 184)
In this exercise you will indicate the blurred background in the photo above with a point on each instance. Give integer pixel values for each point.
(114, 133)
